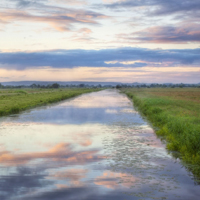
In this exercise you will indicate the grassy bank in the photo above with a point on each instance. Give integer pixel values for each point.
(175, 114)
(14, 100)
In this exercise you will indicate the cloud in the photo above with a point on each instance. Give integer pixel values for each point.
(160, 7)
(31, 3)
(165, 34)
(72, 2)
(120, 57)
(26, 3)
(85, 30)
(83, 35)
(60, 22)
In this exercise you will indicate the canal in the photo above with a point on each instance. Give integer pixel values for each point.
(92, 147)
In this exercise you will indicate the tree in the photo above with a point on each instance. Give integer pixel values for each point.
(81, 85)
(99, 86)
(118, 86)
(33, 85)
(55, 85)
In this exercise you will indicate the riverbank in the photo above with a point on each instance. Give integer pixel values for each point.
(13, 101)
(175, 115)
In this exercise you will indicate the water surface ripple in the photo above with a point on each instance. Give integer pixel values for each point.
(92, 147)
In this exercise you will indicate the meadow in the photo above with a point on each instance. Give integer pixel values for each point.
(175, 116)
(13, 101)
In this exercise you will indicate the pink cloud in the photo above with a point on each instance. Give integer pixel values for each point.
(182, 33)
(59, 22)
(111, 180)
(60, 153)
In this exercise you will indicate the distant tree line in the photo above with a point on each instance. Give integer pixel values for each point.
(82, 85)
(156, 85)
(53, 86)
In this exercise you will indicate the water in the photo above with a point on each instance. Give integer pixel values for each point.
(93, 147)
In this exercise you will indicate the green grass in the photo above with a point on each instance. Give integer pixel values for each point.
(175, 115)
(13, 101)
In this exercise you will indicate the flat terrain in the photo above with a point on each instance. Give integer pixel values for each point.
(15, 100)
(92, 147)
(175, 114)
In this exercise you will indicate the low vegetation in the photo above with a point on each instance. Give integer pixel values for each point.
(13, 101)
(175, 114)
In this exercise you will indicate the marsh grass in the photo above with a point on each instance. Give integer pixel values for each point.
(13, 101)
(175, 114)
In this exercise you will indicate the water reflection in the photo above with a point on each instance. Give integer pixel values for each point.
(95, 146)
(62, 152)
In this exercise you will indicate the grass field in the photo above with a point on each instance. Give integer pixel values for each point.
(14, 100)
(175, 115)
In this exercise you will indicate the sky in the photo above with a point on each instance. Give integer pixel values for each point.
(151, 41)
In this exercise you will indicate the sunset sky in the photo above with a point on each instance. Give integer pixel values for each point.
(100, 40)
